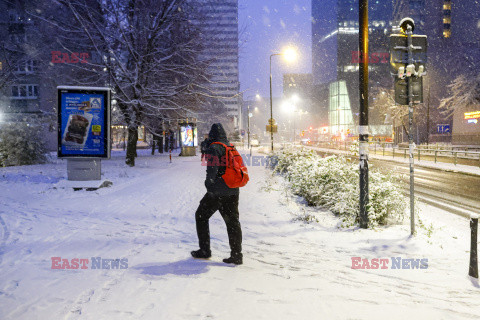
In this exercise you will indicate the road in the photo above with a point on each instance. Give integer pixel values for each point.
(455, 192)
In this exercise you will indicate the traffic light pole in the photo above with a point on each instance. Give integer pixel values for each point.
(410, 132)
(363, 121)
(271, 104)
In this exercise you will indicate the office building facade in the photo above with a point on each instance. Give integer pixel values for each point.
(335, 34)
(219, 22)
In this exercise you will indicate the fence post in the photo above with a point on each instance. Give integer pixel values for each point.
(405, 153)
(435, 156)
(375, 148)
(473, 269)
(418, 154)
(384, 149)
(455, 153)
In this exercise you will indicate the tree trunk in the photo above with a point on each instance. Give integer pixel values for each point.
(167, 139)
(132, 145)
(153, 145)
(160, 144)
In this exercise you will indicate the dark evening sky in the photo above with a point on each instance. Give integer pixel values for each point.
(267, 26)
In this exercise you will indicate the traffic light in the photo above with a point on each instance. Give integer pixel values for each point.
(403, 71)
(401, 90)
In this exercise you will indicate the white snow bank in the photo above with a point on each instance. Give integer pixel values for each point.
(291, 270)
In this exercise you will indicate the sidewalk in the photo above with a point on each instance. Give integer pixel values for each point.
(292, 269)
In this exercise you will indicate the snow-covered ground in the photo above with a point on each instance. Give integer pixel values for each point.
(292, 270)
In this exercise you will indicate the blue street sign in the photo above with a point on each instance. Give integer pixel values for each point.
(443, 128)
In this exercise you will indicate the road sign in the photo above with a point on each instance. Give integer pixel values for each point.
(270, 127)
(443, 128)
(399, 51)
(399, 62)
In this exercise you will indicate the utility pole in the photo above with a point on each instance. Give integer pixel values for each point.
(363, 121)
(410, 130)
(428, 115)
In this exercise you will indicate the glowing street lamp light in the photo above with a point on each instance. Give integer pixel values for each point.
(290, 54)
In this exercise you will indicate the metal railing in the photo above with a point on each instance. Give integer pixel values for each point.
(455, 155)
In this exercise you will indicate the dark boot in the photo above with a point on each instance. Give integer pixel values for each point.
(235, 259)
(201, 254)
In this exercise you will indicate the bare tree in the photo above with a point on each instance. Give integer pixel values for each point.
(464, 92)
(149, 54)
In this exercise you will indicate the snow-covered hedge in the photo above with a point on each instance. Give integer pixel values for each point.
(333, 183)
(21, 144)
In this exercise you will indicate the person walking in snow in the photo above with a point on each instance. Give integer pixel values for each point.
(218, 197)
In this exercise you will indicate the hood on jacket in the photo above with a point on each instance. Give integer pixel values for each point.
(217, 133)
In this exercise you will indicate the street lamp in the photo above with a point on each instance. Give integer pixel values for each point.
(249, 115)
(290, 55)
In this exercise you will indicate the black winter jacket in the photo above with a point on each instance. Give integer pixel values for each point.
(215, 170)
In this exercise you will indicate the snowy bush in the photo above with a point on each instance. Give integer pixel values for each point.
(332, 183)
(21, 144)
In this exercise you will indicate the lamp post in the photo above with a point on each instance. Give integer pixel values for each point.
(248, 126)
(363, 121)
(271, 101)
(290, 54)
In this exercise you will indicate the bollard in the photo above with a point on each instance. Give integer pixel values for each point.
(455, 157)
(170, 156)
(435, 156)
(405, 153)
(473, 269)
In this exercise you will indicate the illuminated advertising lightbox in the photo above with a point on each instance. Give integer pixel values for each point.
(83, 122)
(195, 140)
(186, 134)
(472, 115)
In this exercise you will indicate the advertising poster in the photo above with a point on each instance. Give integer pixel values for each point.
(186, 134)
(83, 122)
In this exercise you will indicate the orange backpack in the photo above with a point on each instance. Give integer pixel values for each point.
(236, 173)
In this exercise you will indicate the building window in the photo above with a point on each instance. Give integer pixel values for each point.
(25, 91)
(447, 18)
(28, 66)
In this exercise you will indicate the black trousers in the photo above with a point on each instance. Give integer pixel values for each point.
(228, 207)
